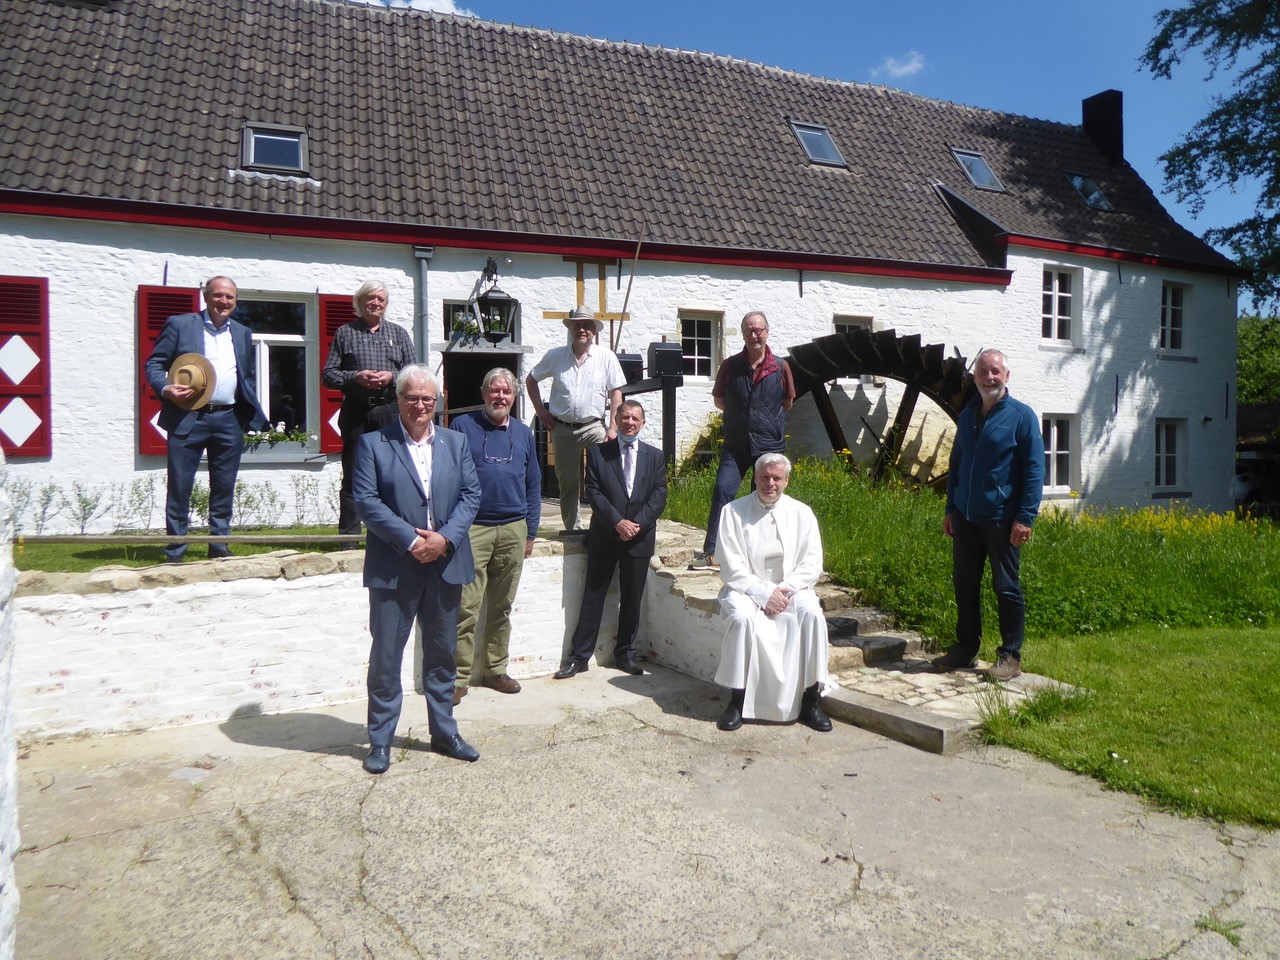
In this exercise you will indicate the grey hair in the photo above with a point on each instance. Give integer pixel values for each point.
(498, 373)
(208, 285)
(414, 370)
(769, 459)
(990, 350)
(749, 315)
(367, 288)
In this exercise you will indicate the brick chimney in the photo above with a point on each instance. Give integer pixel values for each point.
(1104, 123)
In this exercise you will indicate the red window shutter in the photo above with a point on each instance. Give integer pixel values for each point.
(155, 306)
(25, 428)
(334, 312)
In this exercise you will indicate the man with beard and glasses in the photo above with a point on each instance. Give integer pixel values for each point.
(502, 534)
(993, 495)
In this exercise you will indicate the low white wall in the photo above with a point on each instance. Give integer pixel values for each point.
(137, 656)
(8, 759)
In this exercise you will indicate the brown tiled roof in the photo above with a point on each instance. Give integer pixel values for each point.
(451, 122)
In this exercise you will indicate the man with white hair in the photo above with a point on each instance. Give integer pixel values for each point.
(363, 361)
(994, 487)
(774, 655)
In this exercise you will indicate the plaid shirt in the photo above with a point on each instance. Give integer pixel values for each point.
(356, 348)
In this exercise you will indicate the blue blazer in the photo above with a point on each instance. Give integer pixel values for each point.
(390, 500)
(185, 334)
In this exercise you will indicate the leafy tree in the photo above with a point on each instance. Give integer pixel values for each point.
(1258, 366)
(1237, 140)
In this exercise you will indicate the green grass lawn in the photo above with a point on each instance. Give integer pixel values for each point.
(81, 558)
(1186, 717)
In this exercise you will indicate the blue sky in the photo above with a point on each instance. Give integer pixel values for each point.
(1027, 57)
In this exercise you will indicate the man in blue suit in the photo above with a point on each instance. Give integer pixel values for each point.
(196, 423)
(627, 490)
(416, 489)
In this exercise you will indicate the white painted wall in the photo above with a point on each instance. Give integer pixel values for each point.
(94, 270)
(8, 757)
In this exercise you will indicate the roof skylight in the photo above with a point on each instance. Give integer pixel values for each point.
(276, 148)
(977, 169)
(817, 143)
(1088, 188)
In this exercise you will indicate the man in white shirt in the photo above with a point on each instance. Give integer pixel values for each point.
(774, 655)
(585, 377)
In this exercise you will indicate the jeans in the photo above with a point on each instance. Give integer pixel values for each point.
(734, 465)
(972, 545)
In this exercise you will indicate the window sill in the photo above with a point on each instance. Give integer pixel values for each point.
(1172, 495)
(1060, 493)
(1060, 346)
(282, 453)
(1176, 357)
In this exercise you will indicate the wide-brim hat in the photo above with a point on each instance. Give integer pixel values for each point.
(195, 371)
(582, 313)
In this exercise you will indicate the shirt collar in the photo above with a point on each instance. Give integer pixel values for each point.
(427, 437)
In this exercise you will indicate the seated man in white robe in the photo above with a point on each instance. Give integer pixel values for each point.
(774, 656)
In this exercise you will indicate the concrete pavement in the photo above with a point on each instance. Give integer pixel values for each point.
(608, 817)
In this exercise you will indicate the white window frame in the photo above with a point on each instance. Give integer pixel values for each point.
(1061, 434)
(1171, 456)
(1173, 317)
(309, 341)
(1051, 295)
(819, 145)
(845, 322)
(713, 341)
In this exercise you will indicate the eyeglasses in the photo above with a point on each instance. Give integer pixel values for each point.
(414, 401)
(511, 449)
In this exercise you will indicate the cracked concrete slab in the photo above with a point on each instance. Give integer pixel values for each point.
(608, 817)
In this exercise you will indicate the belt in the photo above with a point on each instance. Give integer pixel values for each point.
(575, 426)
(218, 407)
(378, 401)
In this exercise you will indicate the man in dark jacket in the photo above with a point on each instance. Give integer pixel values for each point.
(993, 496)
(754, 389)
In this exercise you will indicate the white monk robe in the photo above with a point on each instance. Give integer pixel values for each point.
(773, 658)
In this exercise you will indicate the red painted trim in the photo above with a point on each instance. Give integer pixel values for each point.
(121, 211)
(1128, 256)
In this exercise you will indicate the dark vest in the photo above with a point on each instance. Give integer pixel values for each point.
(754, 421)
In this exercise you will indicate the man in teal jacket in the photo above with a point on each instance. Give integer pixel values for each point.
(993, 495)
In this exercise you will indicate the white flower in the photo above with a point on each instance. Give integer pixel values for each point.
(280, 426)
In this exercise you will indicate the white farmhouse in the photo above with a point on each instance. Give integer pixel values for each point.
(304, 146)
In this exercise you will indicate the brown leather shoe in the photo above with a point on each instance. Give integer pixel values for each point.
(502, 684)
(458, 694)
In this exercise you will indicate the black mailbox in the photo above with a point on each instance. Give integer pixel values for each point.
(632, 366)
(665, 359)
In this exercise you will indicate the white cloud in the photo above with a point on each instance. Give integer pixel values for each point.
(433, 6)
(896, 69)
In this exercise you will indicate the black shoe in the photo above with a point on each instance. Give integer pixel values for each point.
(953, 659)
(455, 747)
(378, 760)
(570, 668)
(812, 715)
(629, 665)
(219, 553)
(731, 719)
(169, 559)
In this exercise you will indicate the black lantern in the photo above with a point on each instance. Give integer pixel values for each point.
(497, 310)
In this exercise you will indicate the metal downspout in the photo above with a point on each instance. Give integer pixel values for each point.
(421, 319)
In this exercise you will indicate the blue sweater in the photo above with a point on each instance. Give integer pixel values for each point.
(997, 464)
(510, 481)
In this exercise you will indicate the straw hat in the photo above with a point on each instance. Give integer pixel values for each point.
(195, 371)
(582, 313)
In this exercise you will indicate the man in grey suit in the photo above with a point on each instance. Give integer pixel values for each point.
(416, 490)
(627, 490)
(198, 425)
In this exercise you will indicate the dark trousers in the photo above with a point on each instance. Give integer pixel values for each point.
(355, 419)
(633, 572)
(423, 596)
(734, 465)
(972, 545)
(219, 436)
